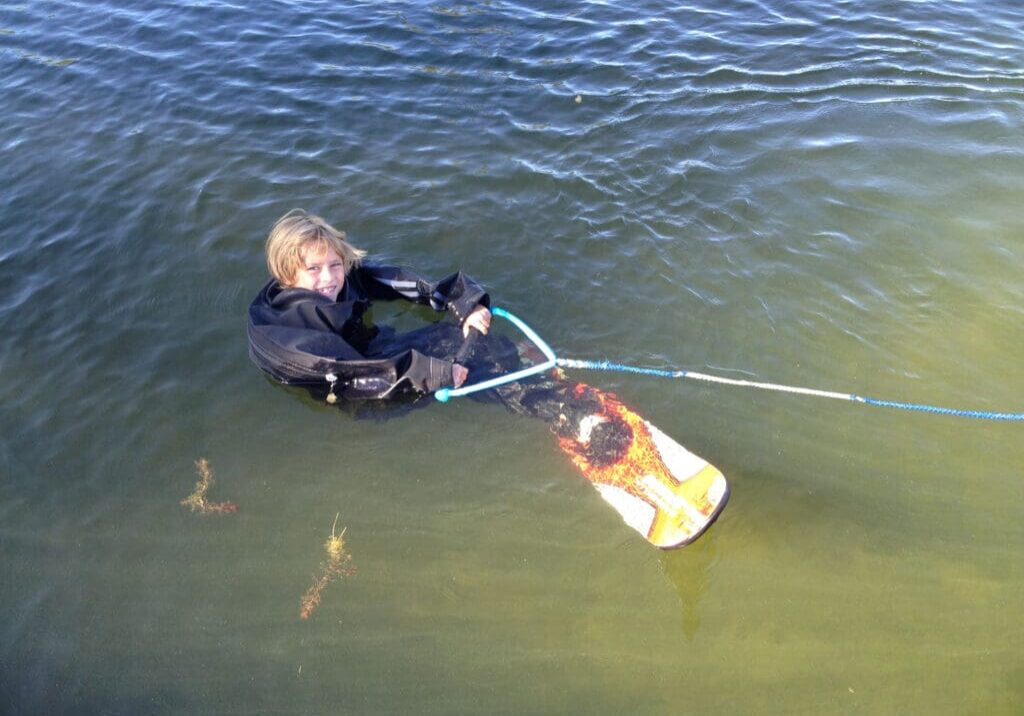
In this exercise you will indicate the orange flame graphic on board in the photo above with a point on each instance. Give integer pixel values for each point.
(636, 460)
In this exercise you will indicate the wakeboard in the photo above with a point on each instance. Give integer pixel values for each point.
(661, 489)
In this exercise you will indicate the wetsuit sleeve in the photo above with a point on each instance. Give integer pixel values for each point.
(458, 294)
(299, 356)
(422, 372)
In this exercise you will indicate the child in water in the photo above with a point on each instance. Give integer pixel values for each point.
(306, 327)
(306, 324)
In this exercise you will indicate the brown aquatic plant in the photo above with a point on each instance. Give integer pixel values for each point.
(197, 501)
(336, 566)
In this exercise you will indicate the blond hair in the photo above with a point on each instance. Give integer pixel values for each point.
(297, 232)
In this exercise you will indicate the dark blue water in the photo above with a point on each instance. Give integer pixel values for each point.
(822, 195)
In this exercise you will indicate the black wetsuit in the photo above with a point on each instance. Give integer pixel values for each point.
(300, 337)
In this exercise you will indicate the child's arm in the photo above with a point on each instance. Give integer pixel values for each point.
(458, 294)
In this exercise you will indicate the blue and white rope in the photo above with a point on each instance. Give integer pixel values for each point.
(552, 360)
(694, 375)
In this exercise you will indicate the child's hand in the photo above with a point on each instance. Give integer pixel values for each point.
(479, 318)
(459, 374)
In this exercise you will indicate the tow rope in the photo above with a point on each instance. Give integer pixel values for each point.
(553, 361)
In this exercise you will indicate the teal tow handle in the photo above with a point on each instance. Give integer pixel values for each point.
(445, 393)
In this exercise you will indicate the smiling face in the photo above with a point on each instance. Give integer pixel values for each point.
(322, 270)
(304, 251)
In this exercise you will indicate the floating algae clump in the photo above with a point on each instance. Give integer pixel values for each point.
(336, 566)
(197, 501)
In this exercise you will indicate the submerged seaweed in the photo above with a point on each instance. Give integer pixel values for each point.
(336, 566)
(197, 501)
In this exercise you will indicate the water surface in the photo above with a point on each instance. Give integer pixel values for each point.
(823, 195)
